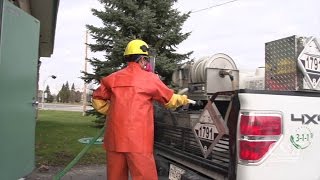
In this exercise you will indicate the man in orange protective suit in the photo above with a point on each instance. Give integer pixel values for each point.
(126, 97)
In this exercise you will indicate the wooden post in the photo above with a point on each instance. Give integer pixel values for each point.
(85, 70)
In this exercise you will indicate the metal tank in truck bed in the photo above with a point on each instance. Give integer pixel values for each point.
(187, 137)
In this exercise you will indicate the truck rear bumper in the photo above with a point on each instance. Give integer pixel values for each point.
(194, 167)
(164, 171)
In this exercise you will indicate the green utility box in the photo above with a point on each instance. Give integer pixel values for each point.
(19, 45)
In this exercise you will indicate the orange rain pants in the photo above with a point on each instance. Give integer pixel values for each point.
(141, 165)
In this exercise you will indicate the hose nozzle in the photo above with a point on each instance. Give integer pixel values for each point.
(223, 73)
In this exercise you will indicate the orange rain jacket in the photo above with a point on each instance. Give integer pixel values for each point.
(130, 124)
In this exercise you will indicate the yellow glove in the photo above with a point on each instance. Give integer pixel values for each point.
(176, 101)
(101, 106)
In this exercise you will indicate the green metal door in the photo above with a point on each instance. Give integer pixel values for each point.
(19, 45)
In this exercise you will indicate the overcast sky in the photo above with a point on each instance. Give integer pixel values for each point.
(238, 29)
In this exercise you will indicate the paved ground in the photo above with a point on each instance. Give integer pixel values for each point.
(93, 172)
(63, 107)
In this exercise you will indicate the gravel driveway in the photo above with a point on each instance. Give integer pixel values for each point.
(93, 172)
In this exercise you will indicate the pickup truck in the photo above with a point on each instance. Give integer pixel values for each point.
(272, 135)
(266, 127)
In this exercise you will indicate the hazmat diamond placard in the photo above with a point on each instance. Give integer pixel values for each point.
(209, 129)
(309, 62)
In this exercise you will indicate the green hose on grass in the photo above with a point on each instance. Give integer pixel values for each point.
(60, 174)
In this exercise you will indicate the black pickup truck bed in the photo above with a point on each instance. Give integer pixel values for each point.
(175, 143)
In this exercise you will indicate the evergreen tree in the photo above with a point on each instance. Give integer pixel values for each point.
(78, 96)
(72, 94)
(58, 98)
(67, 92)
(66, 95)
(72, 87)
(62, 94)
(153, 21)
(48, 97)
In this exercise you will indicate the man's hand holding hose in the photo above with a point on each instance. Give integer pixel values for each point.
(178, 100)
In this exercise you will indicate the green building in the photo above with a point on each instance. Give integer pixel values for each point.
(27, 30)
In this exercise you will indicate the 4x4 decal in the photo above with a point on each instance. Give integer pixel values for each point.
(306, 118)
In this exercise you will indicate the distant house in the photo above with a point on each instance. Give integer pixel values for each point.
(39, 96)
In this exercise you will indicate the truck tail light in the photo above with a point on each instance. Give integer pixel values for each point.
(260, 125)
(258, 133)
(253, 150)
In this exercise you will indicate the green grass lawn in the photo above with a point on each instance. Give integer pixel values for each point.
(57, 134)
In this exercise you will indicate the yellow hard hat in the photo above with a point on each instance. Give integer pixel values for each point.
(136, 46)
